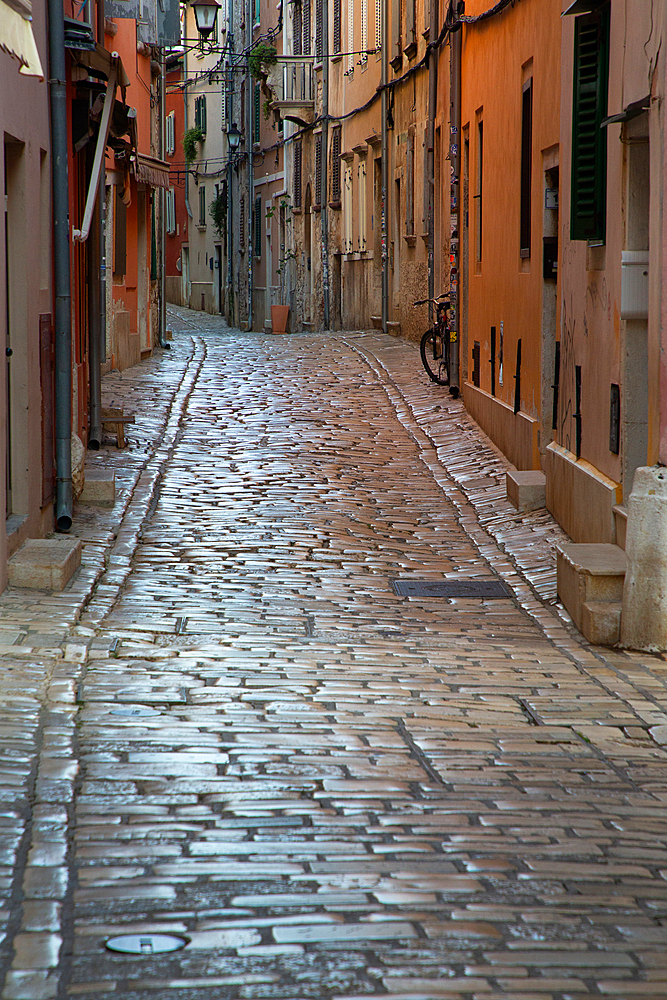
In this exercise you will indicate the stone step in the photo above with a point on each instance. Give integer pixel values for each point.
(99, 488)
(621, 524)
(45, 563)
(526, 490)
(601, 622)
(589, 573)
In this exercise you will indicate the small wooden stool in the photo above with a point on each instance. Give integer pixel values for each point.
(114, 415)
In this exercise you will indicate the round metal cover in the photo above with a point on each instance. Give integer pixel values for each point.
(134, 710)
(145, 944)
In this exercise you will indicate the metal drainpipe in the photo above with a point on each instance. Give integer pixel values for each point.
(96, 299)
(430, 153)
(162, 281)
(324, 218)
(455, 158)
(61, 265)
(385, 166)
(251, 184)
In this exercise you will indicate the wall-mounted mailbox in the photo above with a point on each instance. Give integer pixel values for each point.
(550, 258)
(634, 284)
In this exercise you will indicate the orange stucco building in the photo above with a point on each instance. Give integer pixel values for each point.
(510, 87)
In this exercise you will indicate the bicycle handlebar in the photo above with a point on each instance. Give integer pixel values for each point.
(440, 301)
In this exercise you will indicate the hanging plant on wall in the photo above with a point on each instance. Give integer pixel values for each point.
(191, 138)
(218, 212)
(260, 58)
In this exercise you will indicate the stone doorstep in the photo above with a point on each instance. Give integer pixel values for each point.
(526, 490)
(591, 574)
(45, 563)
(621, 524)
(601, 622)
(99, 488)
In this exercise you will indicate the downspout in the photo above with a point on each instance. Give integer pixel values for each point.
(324, 219)
(61, 265)
(96, 298)
(455, 162)
(385, 165)
(231, 117)
(250, 177)
(430, 153)
(162, 280)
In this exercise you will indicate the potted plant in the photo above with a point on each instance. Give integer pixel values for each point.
(280, 319)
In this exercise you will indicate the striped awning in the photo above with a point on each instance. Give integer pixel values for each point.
(149, 170)
(17, 39)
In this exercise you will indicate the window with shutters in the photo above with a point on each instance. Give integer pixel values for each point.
(347, 209)
(526, 167)
(396, 53)
(258, 227)
(336, 26)
(297, 29)
(350, 37)
(242, 232)
(361, 210)
(256, 113)
(256, 14)
(410, 41)
(202, 205)
(305, 17)
(318, 30)
(478, 193)
(297, 173)
(318, 169)
(335, 166)
(589, 141)
(200, 113)
(223, 102)
(170, 144)
(170, 206)
(378, 24)
(363, 44)
(119, 233)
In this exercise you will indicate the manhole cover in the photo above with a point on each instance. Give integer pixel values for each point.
(145, 944)
(482, 589)
(134, 710)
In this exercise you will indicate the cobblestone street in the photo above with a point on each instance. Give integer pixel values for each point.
(230, 727)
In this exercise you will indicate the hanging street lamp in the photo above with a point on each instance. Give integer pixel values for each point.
(206, 12)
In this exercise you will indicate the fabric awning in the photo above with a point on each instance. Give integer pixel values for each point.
(100, 60)
(17, 39)
(149, 170)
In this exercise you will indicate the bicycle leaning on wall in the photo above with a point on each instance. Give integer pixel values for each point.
(434, 345)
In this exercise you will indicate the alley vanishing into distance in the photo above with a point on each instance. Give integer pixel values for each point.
(232, 728)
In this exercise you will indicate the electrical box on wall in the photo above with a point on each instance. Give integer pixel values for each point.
(634, 284)
(550, 258)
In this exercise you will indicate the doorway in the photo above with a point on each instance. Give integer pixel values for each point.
(634, 391)
(16, 320)
(549, 322)
(307, 250)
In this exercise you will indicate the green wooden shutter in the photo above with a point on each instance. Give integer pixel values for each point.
(256, 114)
(258, 227)
(202, 113)
(589, 141)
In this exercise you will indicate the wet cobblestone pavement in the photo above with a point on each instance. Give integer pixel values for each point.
(230, 727)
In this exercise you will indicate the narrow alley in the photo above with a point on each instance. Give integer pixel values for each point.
(243, 726)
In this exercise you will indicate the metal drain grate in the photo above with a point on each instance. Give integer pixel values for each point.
(480, 589)
(145, 944)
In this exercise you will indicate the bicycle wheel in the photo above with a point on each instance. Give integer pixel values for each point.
(432, 350)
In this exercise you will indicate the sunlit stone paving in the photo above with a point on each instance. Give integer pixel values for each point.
(323, 789)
